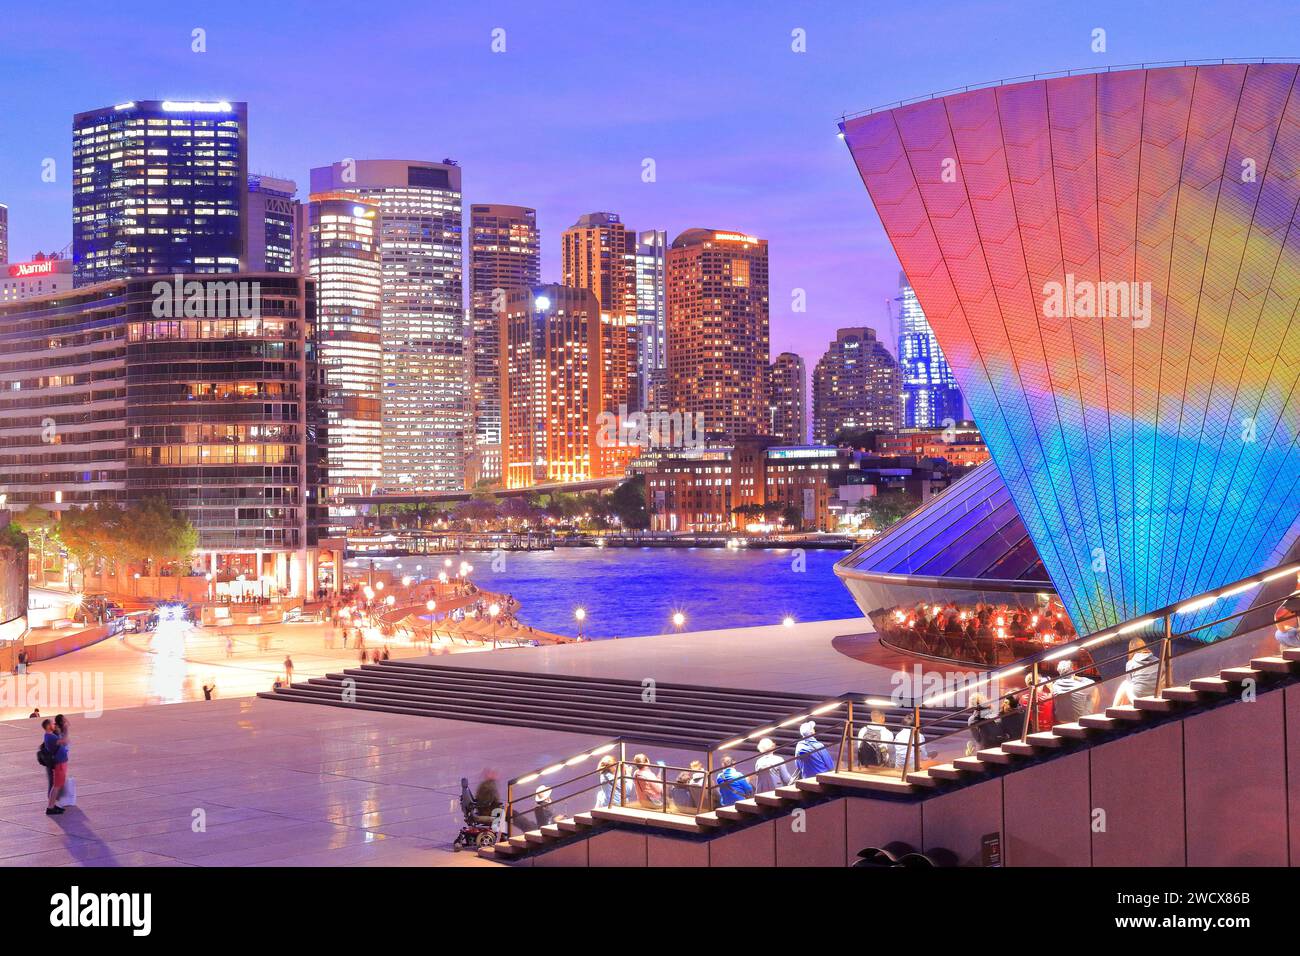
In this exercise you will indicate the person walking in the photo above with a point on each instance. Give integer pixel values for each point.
(288, 669)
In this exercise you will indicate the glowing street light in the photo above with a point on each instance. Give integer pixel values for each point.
(679, 619)
(788, 621)
(581, 615)
(430, 606)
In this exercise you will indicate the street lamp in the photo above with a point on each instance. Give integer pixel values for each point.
(581, 615)
(493, 610)
(788, 621)
(430, 606)
(678, 620)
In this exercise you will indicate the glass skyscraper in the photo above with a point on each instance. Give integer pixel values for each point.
(159, 187)
(344, 259)
(930, 393)
(426, 385)
(652, 318)
(272, 215)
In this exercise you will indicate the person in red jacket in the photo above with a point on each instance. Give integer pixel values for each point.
(1042, 716)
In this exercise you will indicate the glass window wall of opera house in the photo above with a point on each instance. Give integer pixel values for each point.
(959, 579)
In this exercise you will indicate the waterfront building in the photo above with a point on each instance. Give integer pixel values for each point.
(856, 386)
(552, 338)
(426, 381)
(1137, 427)
(159, 186)
(718, 330)
(41, 275)
(190, 388)
(652, 318)
(787, 389)
(504, 255)
(344, 261)
(272, 218)
(930, 395)
(701, 490)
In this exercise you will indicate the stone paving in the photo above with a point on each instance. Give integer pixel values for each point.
(273, 783)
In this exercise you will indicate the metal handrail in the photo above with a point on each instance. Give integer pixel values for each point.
(1057, 74)
(1163, 663)
(916, 728)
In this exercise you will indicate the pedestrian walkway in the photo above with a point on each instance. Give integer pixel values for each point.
(256, 783)
(173, 663)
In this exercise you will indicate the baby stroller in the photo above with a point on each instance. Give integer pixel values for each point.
(478, 830)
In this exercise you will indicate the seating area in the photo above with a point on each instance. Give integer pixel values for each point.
(934, 778)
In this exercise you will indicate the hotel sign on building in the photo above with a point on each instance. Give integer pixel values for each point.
(41, 276)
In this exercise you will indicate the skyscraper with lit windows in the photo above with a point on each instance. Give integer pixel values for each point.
(159, 186)
(652, 318)
(787, 386)
(599, 253)
(504, 256)
(930, 394)
(344, 259)
(718, 331)
(426, 381)
(551, 368)
(856, 386)
(272, 219)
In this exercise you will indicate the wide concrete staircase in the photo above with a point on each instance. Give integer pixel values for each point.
(1173, 703)
(676, 714)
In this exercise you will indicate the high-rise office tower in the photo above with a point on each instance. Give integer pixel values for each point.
(787, 383)
(425, 395)
(504, 256)
(718, 331)
(343, 256)
(599, 253)
(652, 318)
(551, 368)
(159, 187)
(930, 393)
(4, 233)
(272, 218)
(856, 385)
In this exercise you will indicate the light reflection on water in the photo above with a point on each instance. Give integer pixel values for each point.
(628, 592)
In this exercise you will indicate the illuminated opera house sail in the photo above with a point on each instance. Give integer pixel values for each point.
(1111, 263)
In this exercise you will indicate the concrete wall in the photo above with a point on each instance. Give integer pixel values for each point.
(1215, 789)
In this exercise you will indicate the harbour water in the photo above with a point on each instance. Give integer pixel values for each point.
(628, 592)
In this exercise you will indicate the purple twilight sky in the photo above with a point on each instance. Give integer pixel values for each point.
(740, 126)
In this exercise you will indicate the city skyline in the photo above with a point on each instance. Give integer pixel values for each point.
(715, 162)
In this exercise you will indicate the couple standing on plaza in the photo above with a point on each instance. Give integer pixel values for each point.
(53, 756)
